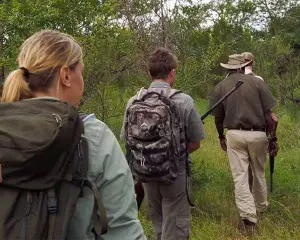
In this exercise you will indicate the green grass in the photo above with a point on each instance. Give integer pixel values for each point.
(215, 215)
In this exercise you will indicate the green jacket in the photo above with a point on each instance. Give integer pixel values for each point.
(109, 170)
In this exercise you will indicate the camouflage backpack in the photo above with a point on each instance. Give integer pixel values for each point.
(152, 134)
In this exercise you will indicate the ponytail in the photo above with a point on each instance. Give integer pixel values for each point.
(15, 87)
(41, 56)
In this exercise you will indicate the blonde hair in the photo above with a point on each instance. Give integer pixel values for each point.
(41, 57)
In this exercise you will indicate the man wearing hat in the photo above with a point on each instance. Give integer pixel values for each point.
(244, 114)
(249, 68)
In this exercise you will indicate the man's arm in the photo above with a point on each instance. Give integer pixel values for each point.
(219, 126)
(219, 115)
(191, 147)
(122, 134)
(194, 128)
(115, 183)
(266, 98)
(268, 103)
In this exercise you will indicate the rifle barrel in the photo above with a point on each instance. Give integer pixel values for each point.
(294, 100)
(271, 182)
(271, 172)
(238, 84)
(140, 194)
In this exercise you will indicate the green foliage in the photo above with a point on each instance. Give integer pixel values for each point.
(117, 37)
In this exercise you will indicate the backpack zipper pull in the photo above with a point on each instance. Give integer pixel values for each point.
(57, 118)
(143, 159)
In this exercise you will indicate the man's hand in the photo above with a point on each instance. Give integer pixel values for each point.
(273, 147)
(193, 146)
(223, 144)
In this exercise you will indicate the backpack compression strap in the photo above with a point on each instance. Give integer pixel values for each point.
(101, 222)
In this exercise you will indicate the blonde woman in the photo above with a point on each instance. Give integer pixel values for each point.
(49, 80)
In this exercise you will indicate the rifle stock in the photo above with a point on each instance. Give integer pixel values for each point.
(238, 84)
(140, 194)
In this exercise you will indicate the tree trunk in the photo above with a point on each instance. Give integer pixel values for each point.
(163, 27)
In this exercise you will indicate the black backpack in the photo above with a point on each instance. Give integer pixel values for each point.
(153, 136)
(44, 158)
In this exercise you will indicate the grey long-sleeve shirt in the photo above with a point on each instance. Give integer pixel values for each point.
(109, 170)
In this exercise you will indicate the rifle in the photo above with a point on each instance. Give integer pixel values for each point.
(272, 158)
(273, 147)
(188, 175)
(294, 100)
(139, 193)
(238, 84)
(138, 186)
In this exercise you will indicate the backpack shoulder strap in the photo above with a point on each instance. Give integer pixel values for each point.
(52, 210)
(141, 93)
(78, 178)
(99, 216)
(85, 117)
(173, 92)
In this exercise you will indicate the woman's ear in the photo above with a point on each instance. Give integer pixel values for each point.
(64, 76)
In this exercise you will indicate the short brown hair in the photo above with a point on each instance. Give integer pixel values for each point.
(161, 62)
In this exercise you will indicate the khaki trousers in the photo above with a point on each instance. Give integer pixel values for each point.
(169, 209)
(244, 148)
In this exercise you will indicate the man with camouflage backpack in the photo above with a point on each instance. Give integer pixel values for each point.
(161, 127)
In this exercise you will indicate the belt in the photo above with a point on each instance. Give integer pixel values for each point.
(249, 129)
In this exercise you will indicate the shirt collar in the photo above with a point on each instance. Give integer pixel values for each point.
(159, 84)
(44, 97)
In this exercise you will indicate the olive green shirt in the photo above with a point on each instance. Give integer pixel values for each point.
(246, 107)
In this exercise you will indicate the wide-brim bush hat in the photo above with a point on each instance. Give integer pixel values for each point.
(236, 61)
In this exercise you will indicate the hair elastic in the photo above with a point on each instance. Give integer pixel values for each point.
(25, 70)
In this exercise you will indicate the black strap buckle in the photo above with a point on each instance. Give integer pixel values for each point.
(52, 203)
(78, 181)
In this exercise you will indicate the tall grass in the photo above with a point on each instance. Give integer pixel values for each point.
(215, 215)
